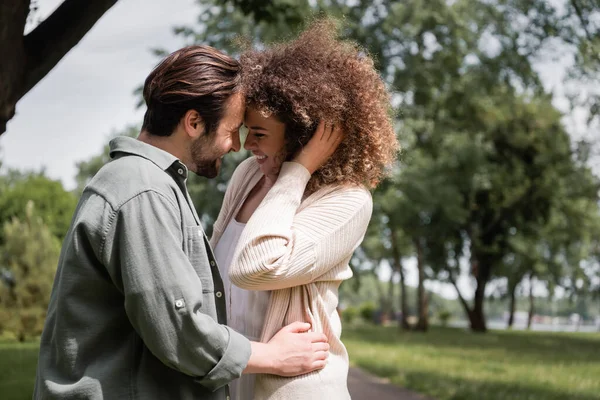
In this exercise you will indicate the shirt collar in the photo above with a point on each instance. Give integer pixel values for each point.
(163, 159)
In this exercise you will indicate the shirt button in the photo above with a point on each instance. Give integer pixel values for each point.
(212, 263)
(179, 303)
(180, 171)
(219, 294)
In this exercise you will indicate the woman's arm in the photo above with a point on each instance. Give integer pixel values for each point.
(281, 247)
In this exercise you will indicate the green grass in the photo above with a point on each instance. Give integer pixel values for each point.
(18, 362)
(453, 364)
(443, 363)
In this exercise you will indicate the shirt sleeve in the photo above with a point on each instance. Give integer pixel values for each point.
(143, 251)
(283, 247)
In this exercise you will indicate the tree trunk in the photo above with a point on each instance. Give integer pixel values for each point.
(380, 292)
(388, 311)
(422, 323)
(13, 17)
(511, 316)
(475, 315)
(27, 59)
(482, 274)
(461, 299)
(403, 302)
(531, 302)
(403, 323)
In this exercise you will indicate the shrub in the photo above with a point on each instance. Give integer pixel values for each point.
(367, 312)
(444, 316)
(349, 314)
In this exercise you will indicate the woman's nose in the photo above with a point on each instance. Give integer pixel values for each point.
(249, 144)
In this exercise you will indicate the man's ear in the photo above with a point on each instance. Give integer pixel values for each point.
(193, 124)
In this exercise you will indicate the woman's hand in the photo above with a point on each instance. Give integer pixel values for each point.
(321, 146)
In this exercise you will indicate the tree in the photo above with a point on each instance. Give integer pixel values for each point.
(481, 126)
(386, 243)
(30, 255)
(53, 203)
(579, 31)
(28, 58)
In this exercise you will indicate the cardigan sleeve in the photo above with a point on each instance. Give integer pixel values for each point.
(282, 247)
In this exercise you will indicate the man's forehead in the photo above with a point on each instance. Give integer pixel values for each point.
(235, 109)
(236, 103)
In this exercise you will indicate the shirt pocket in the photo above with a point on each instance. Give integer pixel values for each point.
(195, 249)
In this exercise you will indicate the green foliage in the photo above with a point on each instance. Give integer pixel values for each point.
(367, 312)
(488, 170)
(452, 364)
(349, 314)
(53, 203)
(444, 316)
(29, 255)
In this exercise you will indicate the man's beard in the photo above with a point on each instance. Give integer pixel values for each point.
(205, 158)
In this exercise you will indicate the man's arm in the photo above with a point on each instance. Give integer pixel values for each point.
(290, 352)
(142, 250)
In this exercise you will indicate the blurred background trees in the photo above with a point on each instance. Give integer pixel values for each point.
(492, 196)
(29, 254)
(489, 179)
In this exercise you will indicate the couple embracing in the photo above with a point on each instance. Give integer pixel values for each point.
(145, 306)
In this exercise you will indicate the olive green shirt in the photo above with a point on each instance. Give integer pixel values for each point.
(137, 309)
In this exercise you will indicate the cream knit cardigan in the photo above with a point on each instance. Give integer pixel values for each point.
(299, 250)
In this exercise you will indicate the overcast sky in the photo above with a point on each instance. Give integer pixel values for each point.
(71, 113)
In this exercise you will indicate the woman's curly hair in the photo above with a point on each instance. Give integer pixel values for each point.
(320, 77)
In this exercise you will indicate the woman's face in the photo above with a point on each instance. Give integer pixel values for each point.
(266, 140)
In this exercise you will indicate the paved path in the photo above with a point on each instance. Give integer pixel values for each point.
(364, 386)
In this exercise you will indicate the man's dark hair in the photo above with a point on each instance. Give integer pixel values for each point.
(197, 78)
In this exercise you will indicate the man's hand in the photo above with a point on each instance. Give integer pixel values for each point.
(320, 147)
(292, 351)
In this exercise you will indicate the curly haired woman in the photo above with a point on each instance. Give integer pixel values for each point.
(320, 131)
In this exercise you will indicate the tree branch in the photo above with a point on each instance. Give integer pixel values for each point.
(460, 296)
(47, 44)
(582, 19)
(13, 17)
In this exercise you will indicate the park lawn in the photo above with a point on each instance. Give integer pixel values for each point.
(448, 363)
(18, 362)
(443, 363)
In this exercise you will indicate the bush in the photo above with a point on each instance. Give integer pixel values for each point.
(349, 314)
(367, 312)
(30, 253)
(444, 316)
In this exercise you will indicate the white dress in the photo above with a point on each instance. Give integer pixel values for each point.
(246, 309)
